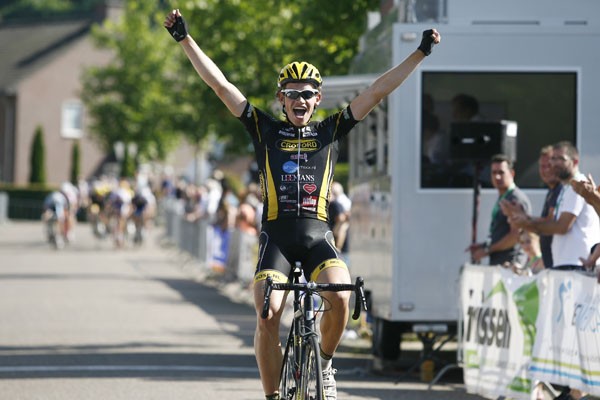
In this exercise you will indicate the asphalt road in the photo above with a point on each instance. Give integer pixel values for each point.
(92, 322)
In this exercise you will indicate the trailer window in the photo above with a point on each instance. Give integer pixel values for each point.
(544, 104)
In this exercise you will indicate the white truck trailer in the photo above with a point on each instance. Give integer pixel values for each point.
(535, 62)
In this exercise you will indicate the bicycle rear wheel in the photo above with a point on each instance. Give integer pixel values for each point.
(289, 371)
(311, 380)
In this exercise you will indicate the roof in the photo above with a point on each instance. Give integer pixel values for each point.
(340, 90)
(26, 46)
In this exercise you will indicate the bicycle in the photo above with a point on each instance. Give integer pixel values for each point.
(53, 231)
(301, 374)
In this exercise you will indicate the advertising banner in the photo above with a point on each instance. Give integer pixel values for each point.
(518, 330)
(567, 346)
(499, 310)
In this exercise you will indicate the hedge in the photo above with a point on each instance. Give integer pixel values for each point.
(26, 202)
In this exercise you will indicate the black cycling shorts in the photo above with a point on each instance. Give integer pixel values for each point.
(283, 242)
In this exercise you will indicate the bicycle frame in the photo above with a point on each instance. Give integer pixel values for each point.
(303, 339)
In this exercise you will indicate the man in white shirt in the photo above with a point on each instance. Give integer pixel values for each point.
(575, 226)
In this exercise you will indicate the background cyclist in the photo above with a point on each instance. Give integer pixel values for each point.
(56, 212)
(296, 161)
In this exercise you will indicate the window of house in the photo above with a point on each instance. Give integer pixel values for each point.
(72, 120)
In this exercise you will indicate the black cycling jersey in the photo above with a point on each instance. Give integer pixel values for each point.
(296, 164)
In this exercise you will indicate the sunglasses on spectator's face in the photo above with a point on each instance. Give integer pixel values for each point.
(295, 94)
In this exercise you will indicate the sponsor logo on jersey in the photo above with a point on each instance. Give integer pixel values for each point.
(290, 167)
(309, 203)
(287, 132)
(309, 187)
(307, 132)
(301, 156)
(250, 110)
(304, 144)
(296, 178)
(285, 199)
(346, 114)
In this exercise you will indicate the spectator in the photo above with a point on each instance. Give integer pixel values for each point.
(221, 235)
(195, 203)
(550, 179)
(465, 108)
(337, 189)
(434, 146)
(575, 226)
(589, 191)
(339, 218)
(246, 219)
(501, 245)
(530, 243)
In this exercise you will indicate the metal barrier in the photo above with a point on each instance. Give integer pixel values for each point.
(3, 207)
(197, 238)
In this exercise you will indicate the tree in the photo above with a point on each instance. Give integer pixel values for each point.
(75, 162)
(37, 160)
(129, 99)
(128, 166)
(35, 9)
(252, 41)
(150, 94)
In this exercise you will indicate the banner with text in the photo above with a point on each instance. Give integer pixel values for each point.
(567, 346)
(521, 329)
(499, 311)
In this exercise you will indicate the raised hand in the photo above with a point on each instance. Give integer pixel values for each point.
(431, 37)
(176, 25)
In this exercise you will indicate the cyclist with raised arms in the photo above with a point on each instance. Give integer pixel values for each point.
(296, 159)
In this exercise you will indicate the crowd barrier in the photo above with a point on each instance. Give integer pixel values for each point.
(3, 207)
(519, 330)
(233, 256)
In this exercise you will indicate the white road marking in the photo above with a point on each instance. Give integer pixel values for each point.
(92, 368)
(142, 368)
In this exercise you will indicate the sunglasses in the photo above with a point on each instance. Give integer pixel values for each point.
(295, 94)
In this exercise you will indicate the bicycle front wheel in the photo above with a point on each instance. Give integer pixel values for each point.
(289, 371)
(311, 379)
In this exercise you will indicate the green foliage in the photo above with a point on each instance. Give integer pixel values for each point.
(25, 202)
(128, 166)
(130, 99)
(37, 159)
(75, 162)
(12, 9)
(342, 174)
(151, 94)
(252, 41)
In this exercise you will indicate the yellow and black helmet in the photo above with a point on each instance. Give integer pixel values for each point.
(299, 71)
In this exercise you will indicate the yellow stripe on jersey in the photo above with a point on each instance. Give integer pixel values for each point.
(332, 262)
(324, 192)
(272, 201)
(255, 118)
(278, 277)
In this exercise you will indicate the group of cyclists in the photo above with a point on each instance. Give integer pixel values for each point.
(116, 208)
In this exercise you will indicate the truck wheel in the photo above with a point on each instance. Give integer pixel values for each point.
(387, 336)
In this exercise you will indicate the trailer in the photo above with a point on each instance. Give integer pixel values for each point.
(535, 63)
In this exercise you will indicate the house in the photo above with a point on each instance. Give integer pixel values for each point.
(41, 63)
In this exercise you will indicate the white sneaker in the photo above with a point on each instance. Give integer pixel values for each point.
(329, 385)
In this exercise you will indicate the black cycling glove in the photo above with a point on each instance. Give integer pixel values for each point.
(427, 42)
(179, 29)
